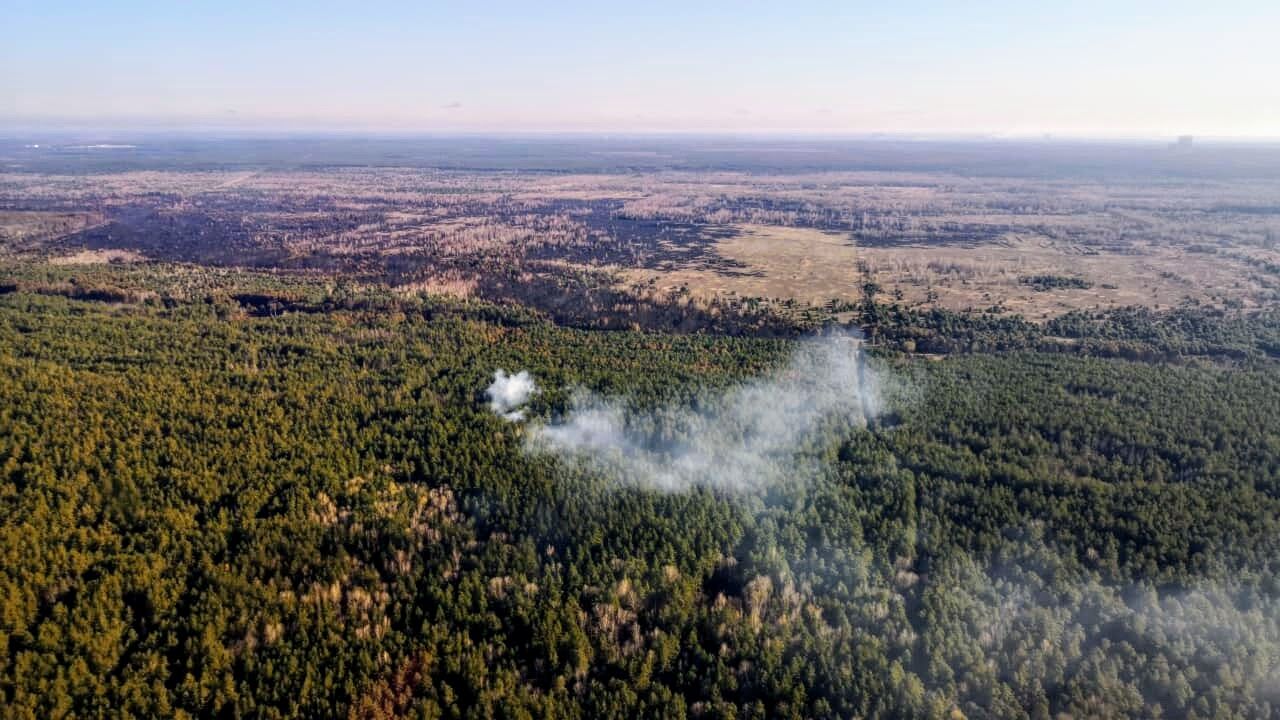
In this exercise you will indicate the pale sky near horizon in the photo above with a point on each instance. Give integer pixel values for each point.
(910, 66)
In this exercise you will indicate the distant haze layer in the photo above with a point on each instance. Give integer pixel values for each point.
(1089, 68)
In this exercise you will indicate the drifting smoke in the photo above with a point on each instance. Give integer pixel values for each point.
(508, 393)
(740, 439)
(1222, 634)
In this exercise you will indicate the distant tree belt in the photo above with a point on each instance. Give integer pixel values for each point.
(215, 505)
(1135, 333)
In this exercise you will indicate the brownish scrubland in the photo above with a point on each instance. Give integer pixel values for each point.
(677, 248)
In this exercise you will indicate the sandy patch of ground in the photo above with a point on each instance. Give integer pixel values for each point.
(98, 257)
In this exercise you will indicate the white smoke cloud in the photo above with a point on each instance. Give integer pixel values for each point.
(508, 393)
(742, 438)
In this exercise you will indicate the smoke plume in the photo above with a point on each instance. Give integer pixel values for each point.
(742, 438)
(508, 393)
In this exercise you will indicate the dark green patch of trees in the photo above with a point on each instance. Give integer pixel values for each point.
(1044, 283)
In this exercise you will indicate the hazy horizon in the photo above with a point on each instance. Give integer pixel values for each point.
(1092, 70)
(180, 130)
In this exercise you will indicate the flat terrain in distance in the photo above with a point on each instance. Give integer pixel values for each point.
(1035, 230)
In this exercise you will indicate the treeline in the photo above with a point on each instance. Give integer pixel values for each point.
(1134, 333)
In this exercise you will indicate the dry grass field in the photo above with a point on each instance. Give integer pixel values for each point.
(815, 266)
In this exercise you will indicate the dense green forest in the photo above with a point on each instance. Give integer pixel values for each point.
(288, 499)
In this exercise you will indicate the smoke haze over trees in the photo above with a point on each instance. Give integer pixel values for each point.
(743, 438)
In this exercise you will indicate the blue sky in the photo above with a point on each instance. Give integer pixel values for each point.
(1080, 68)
